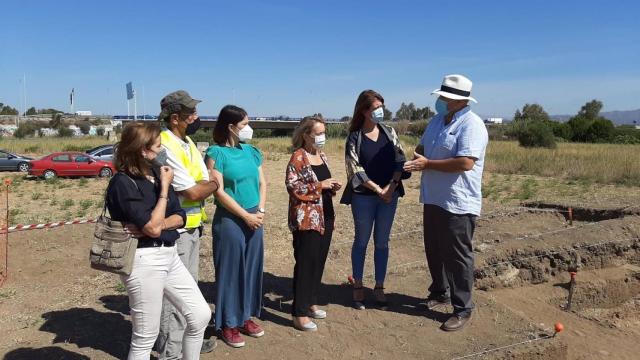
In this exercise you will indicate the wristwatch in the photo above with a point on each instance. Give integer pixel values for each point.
(261, 210)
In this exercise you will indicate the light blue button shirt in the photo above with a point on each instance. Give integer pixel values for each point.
(466, 135)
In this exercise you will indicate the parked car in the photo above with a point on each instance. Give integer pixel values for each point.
(98, 148)
(13, 162)
(70, 164)
(102, 152)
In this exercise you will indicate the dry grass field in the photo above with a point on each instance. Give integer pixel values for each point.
(55, 307)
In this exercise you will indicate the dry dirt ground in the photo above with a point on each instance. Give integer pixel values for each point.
(54, 306)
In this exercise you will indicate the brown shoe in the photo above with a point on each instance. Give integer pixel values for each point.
(435, 302)
(455, 322)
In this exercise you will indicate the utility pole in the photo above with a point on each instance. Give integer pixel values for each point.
(24, 87)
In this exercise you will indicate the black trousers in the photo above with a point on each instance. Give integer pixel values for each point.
(447, 244)
(310, 250)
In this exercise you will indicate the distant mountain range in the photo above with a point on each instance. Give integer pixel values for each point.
(618, 117)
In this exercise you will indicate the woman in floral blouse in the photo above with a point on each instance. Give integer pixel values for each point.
(311, 218)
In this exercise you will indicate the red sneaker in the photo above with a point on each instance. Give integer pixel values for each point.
(232, 337)
(252, 329)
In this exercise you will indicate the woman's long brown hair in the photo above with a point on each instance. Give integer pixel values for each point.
(364, 102)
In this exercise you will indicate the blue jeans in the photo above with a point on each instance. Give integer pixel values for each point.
(370, 212)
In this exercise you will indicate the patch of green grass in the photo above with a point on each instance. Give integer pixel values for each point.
(36, 196)
(32, 149)
(120, 287)
(13, 213)
(489, 189)
(6, 294)
(83, 182)
(73, 147)
(527, 189)
(17, 179)
(67, 204)
(52, 181)
(85, 204)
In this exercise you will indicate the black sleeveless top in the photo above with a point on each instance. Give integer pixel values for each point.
(322, 173)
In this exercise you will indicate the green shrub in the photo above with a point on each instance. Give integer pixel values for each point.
(202, 135)
(64, 131)
(417, 128)
(535, 134)
(625, 139)
(262, 133)
(337, 130)
(26, 128)
(499, 132)
(401, 127)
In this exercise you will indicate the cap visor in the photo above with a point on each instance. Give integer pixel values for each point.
(193, 103)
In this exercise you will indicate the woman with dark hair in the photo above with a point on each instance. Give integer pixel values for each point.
(238, 250)
(311, 217)
(140, 196)
(374, 160)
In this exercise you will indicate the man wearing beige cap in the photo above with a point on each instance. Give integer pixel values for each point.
(193, 184)
(451, 158)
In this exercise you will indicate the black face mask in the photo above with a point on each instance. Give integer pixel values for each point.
(193, 127)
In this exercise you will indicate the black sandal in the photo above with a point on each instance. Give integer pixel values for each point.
(358, 304)
(381, 304)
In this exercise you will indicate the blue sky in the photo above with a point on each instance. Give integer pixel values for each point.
(302, 57)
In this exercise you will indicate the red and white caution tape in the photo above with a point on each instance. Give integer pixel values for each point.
(47, 225)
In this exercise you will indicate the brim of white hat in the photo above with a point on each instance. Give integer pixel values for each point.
(453, 96)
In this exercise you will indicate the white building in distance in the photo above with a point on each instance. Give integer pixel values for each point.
(493, 120)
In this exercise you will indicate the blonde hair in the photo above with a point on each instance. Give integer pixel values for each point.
(304, 127)
(135, 137)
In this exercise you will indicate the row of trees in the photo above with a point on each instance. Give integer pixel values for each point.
(413, 113)
(32, 111)
(408, 112)
(7, 110)
(533, 127)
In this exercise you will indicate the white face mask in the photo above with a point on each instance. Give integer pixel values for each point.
(320, 140)
(377, 115)
(245, 134)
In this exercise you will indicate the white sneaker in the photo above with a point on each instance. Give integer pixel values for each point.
(318, 314)
(310, 326)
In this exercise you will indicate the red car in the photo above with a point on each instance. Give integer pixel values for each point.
(70, 164)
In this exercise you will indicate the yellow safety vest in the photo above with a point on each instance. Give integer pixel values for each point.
(194, 209)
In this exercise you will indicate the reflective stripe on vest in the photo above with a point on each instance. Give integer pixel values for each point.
(194, 209)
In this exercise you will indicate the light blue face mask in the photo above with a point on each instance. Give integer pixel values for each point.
(441, 106)
(377, 115)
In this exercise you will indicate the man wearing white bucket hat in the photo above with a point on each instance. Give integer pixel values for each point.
(451, 158)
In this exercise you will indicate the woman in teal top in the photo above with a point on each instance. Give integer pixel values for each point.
(238, 250)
